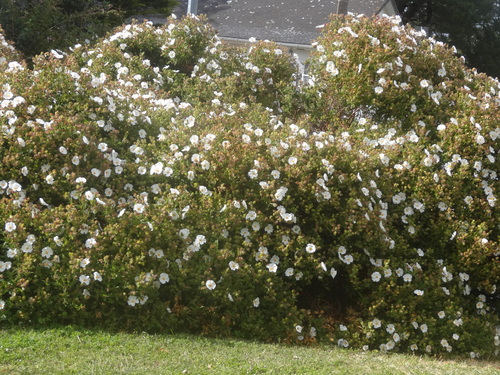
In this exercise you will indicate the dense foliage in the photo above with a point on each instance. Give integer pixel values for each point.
(161, 180)
(37, 26)
(473, 26)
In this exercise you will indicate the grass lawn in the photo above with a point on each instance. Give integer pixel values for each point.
(78, 351)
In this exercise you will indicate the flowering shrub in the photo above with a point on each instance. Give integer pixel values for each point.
(161, 180)
(8, 54)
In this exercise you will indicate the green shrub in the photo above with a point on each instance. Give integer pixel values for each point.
(39, 26)
(7, 52)
(160, 180)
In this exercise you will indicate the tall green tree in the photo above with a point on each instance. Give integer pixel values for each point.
(36, 26)
(473, 26)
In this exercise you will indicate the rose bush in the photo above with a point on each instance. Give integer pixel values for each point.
(161, 180)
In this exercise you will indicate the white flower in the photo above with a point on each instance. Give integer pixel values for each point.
(5, 266)
(333, 272)
(251, 215)
(168, 171)
(210, 284)
(407, 277)
(378, 90)
(408, 211)
(199, 240)
(384, 159)
(256, 302)
(2, 304)
(376, 276)
(280, 193)
(164, 278)
(139, 208)
(272, 267)
(261, 254)
(442, 71)
(289, 272)
(156, 168)
(275, 174)
(264, 185)
(97, 276)
(132, 300)
(84, 279)
(84, 262)
(81, 180)
(376, 323)
(184, 233)
(330, 68)
(458, 322)
(13, 185)
(205, 164)
(189, 121)
(342, 342)
(310, 248)
(292, 160)
(419, 206)
(418, 292)
(442, 206)
(10, 226)
(27, 247)
(233, 265)
(47, 252)
(348, 259)
(253, 173)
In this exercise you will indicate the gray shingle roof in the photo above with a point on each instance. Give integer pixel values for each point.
(285, 21)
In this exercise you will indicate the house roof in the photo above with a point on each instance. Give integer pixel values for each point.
(284, 21)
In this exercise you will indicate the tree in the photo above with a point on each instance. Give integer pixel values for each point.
(472, 26)
(41, 25)
(131, 7)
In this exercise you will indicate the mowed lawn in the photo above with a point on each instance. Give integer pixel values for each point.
(78, 351)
